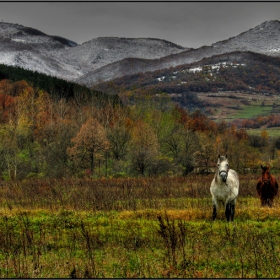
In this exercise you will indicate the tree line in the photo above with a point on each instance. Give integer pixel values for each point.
(56, 87)
(43, 135)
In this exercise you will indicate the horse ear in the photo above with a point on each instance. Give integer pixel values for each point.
(261, 167)
(226, 155)
(219, 156)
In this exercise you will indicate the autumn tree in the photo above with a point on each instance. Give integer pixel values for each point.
(119, 136)
(144, 147)
(264, 137)
(6, 107)
(206, 153)
(189, 148)
(90, 142)
(173, 142)
(9, 151)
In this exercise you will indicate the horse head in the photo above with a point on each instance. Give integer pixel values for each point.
(223, 167)
(266, 174)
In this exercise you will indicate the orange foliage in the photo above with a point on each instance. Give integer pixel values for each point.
(6, 106)
(89, 142)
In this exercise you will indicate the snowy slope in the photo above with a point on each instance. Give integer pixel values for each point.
(107, 58)
(102, 51)
(32, 49)
(264, 39)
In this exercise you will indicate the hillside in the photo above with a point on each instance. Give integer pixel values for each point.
(34, 50)
(190, 85)
(263, 39)
(57, 88)
(102, 51)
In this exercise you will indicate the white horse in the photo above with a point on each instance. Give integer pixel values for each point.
(224, 189)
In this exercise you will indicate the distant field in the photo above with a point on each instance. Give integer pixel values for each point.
(251, 111)
(229, 106)
(272, 131)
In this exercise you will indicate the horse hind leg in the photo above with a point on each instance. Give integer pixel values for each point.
(263, 202)
(214, 214)
(232, 211)
(228, 211)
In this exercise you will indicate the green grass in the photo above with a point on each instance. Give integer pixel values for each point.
(272, 131)
(159, 228)
(251, 111)
(127, 244)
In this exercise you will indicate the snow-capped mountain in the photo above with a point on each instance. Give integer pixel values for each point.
(102, 51)
(34, 50)
(264, 39)
(106, 58)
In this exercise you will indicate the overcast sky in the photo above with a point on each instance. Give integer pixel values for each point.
(189, 24)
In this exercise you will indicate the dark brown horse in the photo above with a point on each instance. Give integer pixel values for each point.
(267, 187)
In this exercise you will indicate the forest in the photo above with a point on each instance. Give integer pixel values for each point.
(79, 133)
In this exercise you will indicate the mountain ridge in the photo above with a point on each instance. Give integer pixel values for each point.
(108, 58)
(241, 42)
(34, 50)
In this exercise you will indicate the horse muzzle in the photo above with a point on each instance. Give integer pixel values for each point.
(223, 175)
(266, 182)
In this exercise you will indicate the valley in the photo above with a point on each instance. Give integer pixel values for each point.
(108, 150)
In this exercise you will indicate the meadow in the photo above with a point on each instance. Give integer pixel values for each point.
(240, 105)
(134, 228)
(272, 131)
(253, 110)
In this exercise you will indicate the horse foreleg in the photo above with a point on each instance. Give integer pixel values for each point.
(269, 202)
(228, 211)
(214, 215)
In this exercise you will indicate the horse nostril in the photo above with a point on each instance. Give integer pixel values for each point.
(224, 176)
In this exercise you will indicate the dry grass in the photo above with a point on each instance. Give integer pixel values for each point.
(141, 228)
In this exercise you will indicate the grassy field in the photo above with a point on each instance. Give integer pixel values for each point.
(272, 131)
(251, 111)
(239, 105)
(134, 228)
